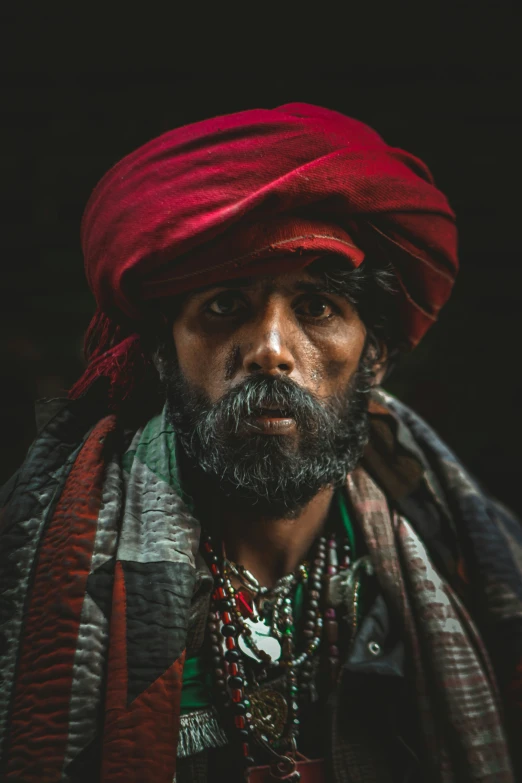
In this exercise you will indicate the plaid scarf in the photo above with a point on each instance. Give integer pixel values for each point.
(98, 555)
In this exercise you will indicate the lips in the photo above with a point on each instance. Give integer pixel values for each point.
(272, 421)
(273, 413)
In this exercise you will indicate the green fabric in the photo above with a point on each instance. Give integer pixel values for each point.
(347, 523)
(157, 449)
(196, 692)
(298, 602)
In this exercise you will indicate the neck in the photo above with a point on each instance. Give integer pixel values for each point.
(268, 548)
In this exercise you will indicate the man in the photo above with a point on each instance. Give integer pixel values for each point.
(230, 555)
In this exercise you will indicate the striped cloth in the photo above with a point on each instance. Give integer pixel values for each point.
(457, 693)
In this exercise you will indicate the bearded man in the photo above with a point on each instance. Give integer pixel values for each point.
(230, 555)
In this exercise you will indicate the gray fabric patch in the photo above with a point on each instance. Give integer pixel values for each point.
(88, 669)
(157, 525)
(109, 516)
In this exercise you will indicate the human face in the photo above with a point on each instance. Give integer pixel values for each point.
(288, 326)
(267, 391)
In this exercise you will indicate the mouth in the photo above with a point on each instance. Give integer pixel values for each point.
(272, 421)
(273, 413)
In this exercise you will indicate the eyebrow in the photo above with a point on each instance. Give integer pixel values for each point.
(321, 286)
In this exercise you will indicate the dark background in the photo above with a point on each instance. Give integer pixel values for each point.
(62, 129)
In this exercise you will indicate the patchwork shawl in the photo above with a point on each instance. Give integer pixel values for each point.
(97, 573)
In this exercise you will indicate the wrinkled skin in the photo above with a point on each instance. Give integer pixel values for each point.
(268, 326)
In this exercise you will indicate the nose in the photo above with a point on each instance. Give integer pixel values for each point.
(268, 349)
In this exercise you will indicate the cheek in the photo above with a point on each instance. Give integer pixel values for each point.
(337, 358)
(200, 359)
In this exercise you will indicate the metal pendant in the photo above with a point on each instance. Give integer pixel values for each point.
(341, 586)
(269, 713)
(262, 639)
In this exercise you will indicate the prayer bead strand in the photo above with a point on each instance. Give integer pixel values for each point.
(228, 674)
(226, 624)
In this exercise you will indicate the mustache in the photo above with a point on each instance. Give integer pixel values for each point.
(254, 395)
(275, 477)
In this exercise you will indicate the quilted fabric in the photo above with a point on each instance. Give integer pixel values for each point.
(109, 575)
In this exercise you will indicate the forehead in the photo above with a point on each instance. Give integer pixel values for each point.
(288, 282)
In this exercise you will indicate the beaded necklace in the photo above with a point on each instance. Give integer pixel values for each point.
(247, 642)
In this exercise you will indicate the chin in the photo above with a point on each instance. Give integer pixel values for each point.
(276, 493)
(266, 509)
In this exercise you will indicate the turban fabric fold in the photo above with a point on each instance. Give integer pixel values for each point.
(262, 191)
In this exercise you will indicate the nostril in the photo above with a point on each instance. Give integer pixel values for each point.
(264, 357)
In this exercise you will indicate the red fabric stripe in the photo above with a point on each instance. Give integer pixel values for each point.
(40, 717)
(140, 741)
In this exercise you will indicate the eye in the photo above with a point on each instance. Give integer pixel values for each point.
(226, 303)
(316, 307)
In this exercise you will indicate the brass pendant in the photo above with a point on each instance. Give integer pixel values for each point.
(269, 713)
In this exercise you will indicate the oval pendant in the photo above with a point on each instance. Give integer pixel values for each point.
(262, 639)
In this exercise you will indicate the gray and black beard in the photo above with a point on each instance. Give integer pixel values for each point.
(272, 476)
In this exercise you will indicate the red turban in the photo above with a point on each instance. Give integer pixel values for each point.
(254, 193)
